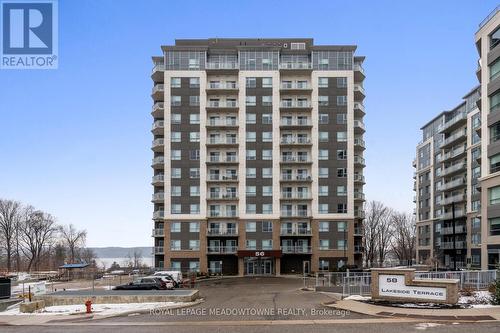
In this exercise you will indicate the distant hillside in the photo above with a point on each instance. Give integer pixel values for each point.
(121, 252)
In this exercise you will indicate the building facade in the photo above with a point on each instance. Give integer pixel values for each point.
(457, 178)
(258, 156)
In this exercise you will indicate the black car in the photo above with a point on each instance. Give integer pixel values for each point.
(148, 283)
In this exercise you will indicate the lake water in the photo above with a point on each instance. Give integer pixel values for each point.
(123, 262)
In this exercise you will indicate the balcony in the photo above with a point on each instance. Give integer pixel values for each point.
(455, 198)
(159, 214)
(295, 196)
(449, 216)
(219, 214)
(297, 178)
(452, 184)
(299, 67)
(157, 92)
(453, 169)
(295, 141)
(159, 250)
(449, 245)
(214, 141)
(454, 138)
(222, 196)
(158, 109)
(359, 161)
(358, 249)
(229, 232)
(222, 249)
(459, 229)
(359, 72)
(220, 88)
(296, 232)
(359, 109)
(359, 127)
(158, 144)
(295, 213)
(222, 178)
(359, 92)
(295, 124)
(222, 160)
(158, 180)
(304, 249)
(158, 197)
(295, 104)
(452, 154)
(222, 67)
(359, 179)
(158, 162)
(295, 159)
(359, 196)
(157, 72)
(358, 231)
(453, 123)
(359, 144)
(158, 127)
(295, 88)
(359, 214)
(159, 232)
(219, 123)
(222, 105)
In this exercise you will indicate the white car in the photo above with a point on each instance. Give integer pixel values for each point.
(169, 284)
(176, 275)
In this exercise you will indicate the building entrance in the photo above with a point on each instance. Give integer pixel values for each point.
(259, 266)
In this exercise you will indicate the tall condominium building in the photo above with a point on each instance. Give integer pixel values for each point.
(488, 46)
(458, 170)
(258, 156)
(446, 185)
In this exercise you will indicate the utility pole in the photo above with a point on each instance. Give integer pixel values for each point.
(454, 236)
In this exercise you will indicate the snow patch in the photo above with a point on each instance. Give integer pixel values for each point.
(424, 326)
(357, 298)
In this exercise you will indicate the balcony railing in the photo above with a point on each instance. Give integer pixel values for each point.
(220, 104)
(158, 67)
(449, 245)
(454, 137)
(359, 68)
(159, 250)
(226, 141)
(295, 195)
(222, 65)
(455, 198)
(449, 216)
(453, 168)
(223, 232)
(158, 88)
(459, 229)
(296, 140)
(218, 122)
(222, 177)
(359, 88)
(296, 177)
(158, 232)
(295, 65)
(296, 249)
(159, 124)
(359, 178)
(158, 179)
(359, 124)
(295, 104)
(298, 122)
(452, 154)
(158, 142)
(296, 232)
(222, 85)
(295, 85)
(359, 160)
(298, 159)
(221, 159)
(158, 106)
(359, 142)
(158, 196)
(159, 214)
(160, 160)
(295, 213)
(223, 196)
(222, 249)
(359, 106)
(451, 184)
(359, 196)
(360, 214)
(223, 214)
(459, 117)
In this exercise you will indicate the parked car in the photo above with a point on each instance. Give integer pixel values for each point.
(150, 283)
(170, 283)
(176, 275)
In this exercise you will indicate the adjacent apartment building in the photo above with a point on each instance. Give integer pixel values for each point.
(257, 156)
(457, 178)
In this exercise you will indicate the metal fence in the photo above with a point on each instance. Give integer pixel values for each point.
(476, 280)
(356, 285)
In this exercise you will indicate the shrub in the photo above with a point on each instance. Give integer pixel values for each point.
(495, 292)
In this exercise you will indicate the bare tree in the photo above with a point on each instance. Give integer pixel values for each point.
(10, 217)
(404, 240)
(73, 239)
(38, 233)
(385, 233)
(374, 212)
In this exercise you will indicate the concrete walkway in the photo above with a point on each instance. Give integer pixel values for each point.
(473, 314)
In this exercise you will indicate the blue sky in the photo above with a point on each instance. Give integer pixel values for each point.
(76, 141)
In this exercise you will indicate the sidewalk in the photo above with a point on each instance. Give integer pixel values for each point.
(473, 314)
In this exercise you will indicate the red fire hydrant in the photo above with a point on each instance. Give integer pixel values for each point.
(88, 306)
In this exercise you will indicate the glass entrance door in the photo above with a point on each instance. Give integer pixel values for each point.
(267, 267)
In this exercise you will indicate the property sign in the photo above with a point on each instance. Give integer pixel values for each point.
(39, 288)
(395, 286)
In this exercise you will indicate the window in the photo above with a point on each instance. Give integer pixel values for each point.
(194, 191)
(194, 118)
(267, 154)
(267, 173)
(176, 173)
(194, 63)
(342, 136)
(324, 226)
(175, 118)
(176, 208)
(495, 132)
(175, 265)
(341, 100)
(267, 136)
(194, 208)
(251, 155)
(323, 208)
(251, 191)
(342, 208)
(267, 100)
(342, 118)
(323, 100)
(494, 38)
(341, 172)
(175, 137)
(267, 191)
(176, 191)
(267, 118)
(194, 82)
(323, 82)
(324, 118)
(298, 46)
(324, 265)
(494, 226)
(341, 154)
(323, 191)
(251, 244)
(494, 70)
(175, 82)
(341, 244)
(194, 155)
(175, 155)
(267, 244)
(194, 100)
(194, 266)
(267, 226)
(251, 118)
(251, 82)
(175, 244)
(175, 227)
(341, 226)
(251, 101)
(341, 82)
(267, 208)
(323, 154)
(495, 102)
(323, 136)
(194, 173)
(495, 163)
(194, 245)
(194, 137)
(267, 82)
(341, 191)
(251, 137)
(251, 173)
(494, 195)
(251, 208)
(323, 172)
(175, 101)
(251, 227)
(324, 244)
